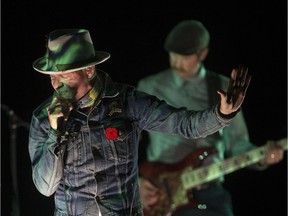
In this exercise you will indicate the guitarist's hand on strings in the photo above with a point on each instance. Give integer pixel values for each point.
(231, 100)
(149, 193)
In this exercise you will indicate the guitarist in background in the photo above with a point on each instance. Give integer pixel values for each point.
(187, 83)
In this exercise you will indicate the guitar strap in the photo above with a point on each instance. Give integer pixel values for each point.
(213, 84)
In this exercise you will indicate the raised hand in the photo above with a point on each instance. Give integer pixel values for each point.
(234, 97)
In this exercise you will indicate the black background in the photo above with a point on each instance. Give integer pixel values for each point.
(253, 33)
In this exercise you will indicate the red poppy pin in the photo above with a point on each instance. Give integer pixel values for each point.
(111, 133)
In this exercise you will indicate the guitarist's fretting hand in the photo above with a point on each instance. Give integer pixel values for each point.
(274, 153)
(234, 97)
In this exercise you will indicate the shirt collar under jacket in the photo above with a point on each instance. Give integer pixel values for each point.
(102, 85)
(180, 81)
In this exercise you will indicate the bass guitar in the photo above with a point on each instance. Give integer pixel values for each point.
(175, 181)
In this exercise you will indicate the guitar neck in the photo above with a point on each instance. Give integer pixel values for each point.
(192, 177)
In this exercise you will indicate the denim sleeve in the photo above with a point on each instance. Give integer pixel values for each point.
(156, 115)
(46, 165)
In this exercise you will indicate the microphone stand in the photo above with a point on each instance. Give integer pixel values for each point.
(14, 123)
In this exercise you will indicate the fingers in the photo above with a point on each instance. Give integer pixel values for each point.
(238, 85)
(274, 156)
(223, 96)
(245, 79)
(234, 74)
(236, 91)
(230, 86)
(150, 187)
(238, 102)
(246, 85)
(274, 153)
(149, 194)
(59, 107)
(242, 80)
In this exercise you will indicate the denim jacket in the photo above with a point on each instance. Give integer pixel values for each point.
(95, 171)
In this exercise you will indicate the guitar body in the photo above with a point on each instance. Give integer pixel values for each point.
(167, 177)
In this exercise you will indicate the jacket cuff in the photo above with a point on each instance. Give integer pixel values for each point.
(229, 116)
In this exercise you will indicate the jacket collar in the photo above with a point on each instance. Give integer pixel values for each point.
(104, 87)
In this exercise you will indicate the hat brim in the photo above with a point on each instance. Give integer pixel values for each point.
(100, 56)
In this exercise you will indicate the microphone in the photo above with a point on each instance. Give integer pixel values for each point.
(67, 94)
(15, 121)
(60, 124)
(60, 129)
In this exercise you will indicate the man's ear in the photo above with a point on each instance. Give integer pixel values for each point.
(204, 54)
(91, 71)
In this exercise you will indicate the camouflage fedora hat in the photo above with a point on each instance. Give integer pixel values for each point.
(69, 50)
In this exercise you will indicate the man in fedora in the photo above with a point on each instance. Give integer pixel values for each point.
(187, 83)
(83, 139)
